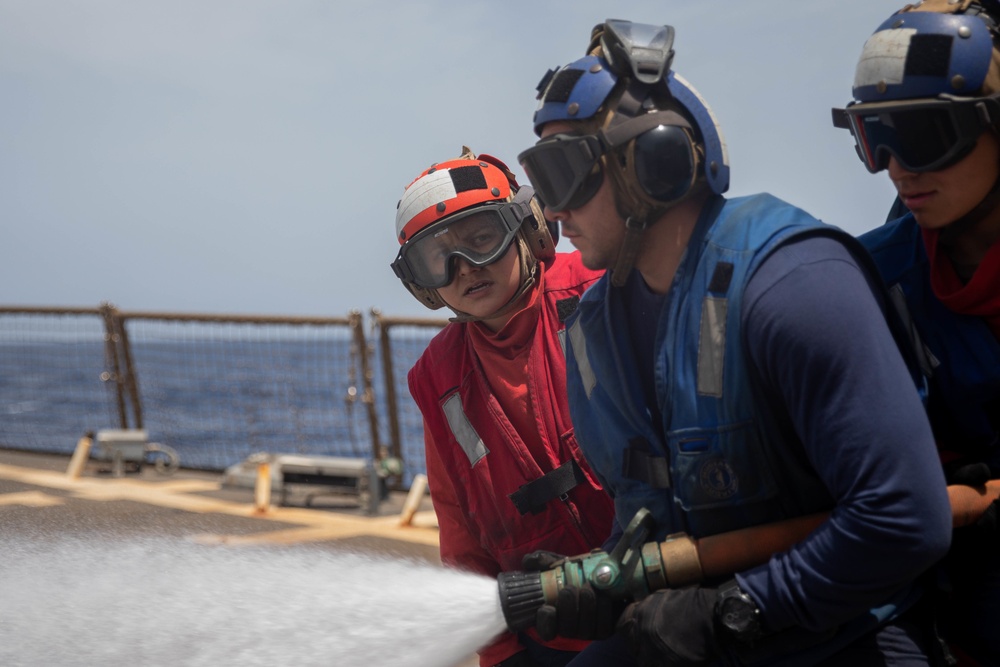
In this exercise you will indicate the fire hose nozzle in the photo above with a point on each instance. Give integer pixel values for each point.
(619, 574)
(521, 596)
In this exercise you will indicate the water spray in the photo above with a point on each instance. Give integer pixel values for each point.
(166, 600)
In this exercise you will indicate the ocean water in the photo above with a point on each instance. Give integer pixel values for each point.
(152, 602)
(215, 402)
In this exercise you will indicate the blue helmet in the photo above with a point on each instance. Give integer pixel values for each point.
(590, 83)
(645, 128)
(630, 78)
(925, 88)
(924, 54)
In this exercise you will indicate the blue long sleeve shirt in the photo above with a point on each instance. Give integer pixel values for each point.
(830, 366)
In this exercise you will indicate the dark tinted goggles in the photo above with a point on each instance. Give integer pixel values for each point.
(480, 236)
(923, 135)
(564, 169)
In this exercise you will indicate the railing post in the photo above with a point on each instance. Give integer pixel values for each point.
(385, 353)
(131, 380)
(111, 338)
(368, 392)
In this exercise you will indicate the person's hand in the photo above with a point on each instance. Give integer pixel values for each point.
(673, 627)
(974, 547)
(539, 561)
(579, 612)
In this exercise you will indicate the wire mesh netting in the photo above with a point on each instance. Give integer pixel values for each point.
(218, 392)
(54, 383)
(403, 341)
(214, 388)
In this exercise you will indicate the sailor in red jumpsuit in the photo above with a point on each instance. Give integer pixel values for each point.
(505, 474)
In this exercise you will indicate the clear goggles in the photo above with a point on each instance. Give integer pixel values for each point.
(923, 135)
(564, 169)
(480, 236)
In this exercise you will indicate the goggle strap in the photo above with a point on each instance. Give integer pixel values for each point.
(622, 133)
(840, 120)
(401, 268)
(987, 109)
(520, 205)
(630, 102)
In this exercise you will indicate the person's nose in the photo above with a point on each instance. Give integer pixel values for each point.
(553, 215)
(897, 172)
(464, 266)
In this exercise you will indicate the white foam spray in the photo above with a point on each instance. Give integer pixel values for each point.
(168, 602)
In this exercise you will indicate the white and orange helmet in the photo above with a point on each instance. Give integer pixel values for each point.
(469, 207)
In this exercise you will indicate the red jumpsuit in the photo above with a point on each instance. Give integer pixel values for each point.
(496, 418)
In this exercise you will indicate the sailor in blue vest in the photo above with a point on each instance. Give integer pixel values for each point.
(927, 110)
(732, 368)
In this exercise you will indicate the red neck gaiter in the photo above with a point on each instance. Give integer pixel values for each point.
(980, 296)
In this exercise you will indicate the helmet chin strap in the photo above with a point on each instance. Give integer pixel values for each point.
(637, 214)
(628, 250)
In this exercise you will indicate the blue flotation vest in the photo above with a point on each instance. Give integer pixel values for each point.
(959, 355)
(723, 463)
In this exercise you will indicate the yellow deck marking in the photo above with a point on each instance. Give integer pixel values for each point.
(313, 525)
(29, 499)
(328, 532)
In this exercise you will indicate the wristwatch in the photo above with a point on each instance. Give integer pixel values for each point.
(737, 615)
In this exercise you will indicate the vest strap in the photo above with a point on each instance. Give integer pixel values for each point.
(639, 464)
(924, 357)
(578, 341)
(566, 307)
(535, 495)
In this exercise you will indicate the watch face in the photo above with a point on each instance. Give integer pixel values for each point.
(739, 615)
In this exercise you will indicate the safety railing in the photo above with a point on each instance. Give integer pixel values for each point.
(56, 381)
(401, 341)
(216, 388)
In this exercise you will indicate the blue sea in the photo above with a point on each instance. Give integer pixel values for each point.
(215, 402)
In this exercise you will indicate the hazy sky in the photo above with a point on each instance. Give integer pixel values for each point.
(246, 156)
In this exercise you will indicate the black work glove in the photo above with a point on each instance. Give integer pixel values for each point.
(968, 474)
(539, 561)
(579, 612)
(673, 627)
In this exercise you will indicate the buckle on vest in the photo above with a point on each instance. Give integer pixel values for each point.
(535, 495)
(639, 464)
